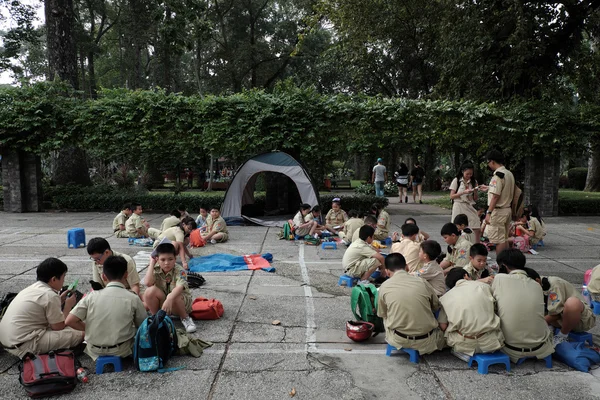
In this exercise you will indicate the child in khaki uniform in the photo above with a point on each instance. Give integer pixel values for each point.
(173, 220)
(360, 259)
(383, 222)
(594, 283)
(119, 222)
(99, 251)
(353, 224)
(477, 267)
(431, 271)
(408, 247)
(458, 250)
(216, 228)
(336, 217)
(168, 288)
(109, 317)
(137, 228)
(566, 306)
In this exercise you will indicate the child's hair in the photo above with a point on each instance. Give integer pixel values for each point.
(316, 208)
(478, 249)
(352, 214)
(181, 207)
(532, 273)
(365, 232)
(215, 208)
(202, 207)
(409, 230)
(455, 275)
(50, 267)
(395, 262)
(189, 222)
(134, 206)
(410, 220)
(126, 207)
(97, 245)
(370, 220)
(512, 258)
(449, 229)
(432, 249)
(304, 206)
(176, 213)
(375, 210)
(465, 166)
(166, 248)
(535, 212)
(461, 219)
(495, 155)
(114, 268)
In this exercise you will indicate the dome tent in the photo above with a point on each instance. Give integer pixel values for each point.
(241, 190)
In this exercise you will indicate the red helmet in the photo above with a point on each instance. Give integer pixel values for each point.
(359, 331)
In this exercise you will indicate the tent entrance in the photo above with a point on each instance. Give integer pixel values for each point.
(281, 196)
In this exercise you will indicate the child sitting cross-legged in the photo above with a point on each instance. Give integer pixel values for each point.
(110, 317)
(168, 288)
(431, 271)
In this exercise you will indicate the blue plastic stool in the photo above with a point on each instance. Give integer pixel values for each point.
(582, 337)
(350, 281)
(596, 307)
(329, 245)
(484, 360)
(108, 360)
(388, 241)
(548, 360)
(414, 354)
(376, 274)
(538, 244)
(75, 237)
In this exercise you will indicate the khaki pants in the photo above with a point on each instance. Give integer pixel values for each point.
(497, 230)
(362, 266)
(121, 234)
(48, 341)
(435, 341)
(487, 343)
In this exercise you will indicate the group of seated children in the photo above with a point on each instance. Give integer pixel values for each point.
(107, 317)
(512, 314)
(530, 226)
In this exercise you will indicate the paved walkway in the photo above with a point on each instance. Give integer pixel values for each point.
(309, 351)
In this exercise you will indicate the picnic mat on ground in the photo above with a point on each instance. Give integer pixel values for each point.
(229, 262)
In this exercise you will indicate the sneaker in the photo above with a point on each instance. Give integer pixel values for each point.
(189, 325)
(420, 201)
(213, 241)
(558, 339)
(406, 199)
(346, 243)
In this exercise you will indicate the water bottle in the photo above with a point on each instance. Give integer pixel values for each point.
(586, 294)
(82, 375)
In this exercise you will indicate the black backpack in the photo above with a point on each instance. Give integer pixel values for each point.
(155, 343)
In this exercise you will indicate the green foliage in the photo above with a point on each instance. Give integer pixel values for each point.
(577, 178)
(358, 202)
(390, 189)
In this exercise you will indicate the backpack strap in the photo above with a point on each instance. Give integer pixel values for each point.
(374, 292)
(356, 293)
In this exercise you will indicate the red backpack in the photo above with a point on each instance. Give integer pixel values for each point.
(203, 308)
(49, 374)
(196, 239)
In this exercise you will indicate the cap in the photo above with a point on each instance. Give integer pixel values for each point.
(379, 159)
(335, 200)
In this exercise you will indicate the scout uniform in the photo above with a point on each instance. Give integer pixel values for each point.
(119, 220)
(520, 305)
(406, 304)
(218, 225)
(465, 203)
(111, 317)
(134, 223)
(434, 274)
(25, 327)
(458, 255)
(336, 218)
(298, 220)
(383, 226)
(560, 290)
(169, 222)
(539, 230)
(133, 278)
(174, 234)
(351, 226)
(502, 184)
(410, 250)
(473, 326)
(168, 281)
(468, 234)
(475, 274)
(358, 258)
(594, 284)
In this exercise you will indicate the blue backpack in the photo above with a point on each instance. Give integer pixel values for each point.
(155, 342)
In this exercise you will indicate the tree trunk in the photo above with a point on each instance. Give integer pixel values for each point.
(541, 183)
(21, 178)
(62, 54)
(592, 184)
(92, 75)
(71, 168)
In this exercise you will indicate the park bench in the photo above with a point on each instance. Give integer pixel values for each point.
(341, 184)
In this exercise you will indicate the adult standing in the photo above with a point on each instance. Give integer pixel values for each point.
(379, 176)
(401, 176)
(464, 196)
(417, 175)
(500, 195)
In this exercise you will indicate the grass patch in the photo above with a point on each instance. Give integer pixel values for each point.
(568, 194)
(443, 201)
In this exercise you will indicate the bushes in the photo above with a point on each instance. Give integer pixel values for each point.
(390, 189)
(358, 202)
(577, 178)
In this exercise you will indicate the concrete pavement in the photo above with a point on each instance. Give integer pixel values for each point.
(308, 351)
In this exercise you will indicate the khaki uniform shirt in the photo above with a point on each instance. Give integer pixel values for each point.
(505, 187)
(468, 309)
(298, 219)
(351, 226)
(410, 250)
(461, 186)
(133, 278)
(111, 315)
(459, 257)
(520, 304)
(383, 222)
(434, 274)
(219, 225)
(537, 227)
(169, 222)
(560, 290)
(133, 224)
(357, 251)
(594, 283)
(174, 234)
(475, 274)
(336, 218)
(30, 314)
(168, 281)
(310, 217)
(119, 220)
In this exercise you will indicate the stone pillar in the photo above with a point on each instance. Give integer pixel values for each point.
(541, 183)
(21, 179)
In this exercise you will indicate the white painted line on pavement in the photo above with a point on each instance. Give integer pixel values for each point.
(311, 262)
(311, 327)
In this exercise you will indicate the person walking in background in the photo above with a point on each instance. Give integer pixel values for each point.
(401, 176)
(379, 177)
(417, 176)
